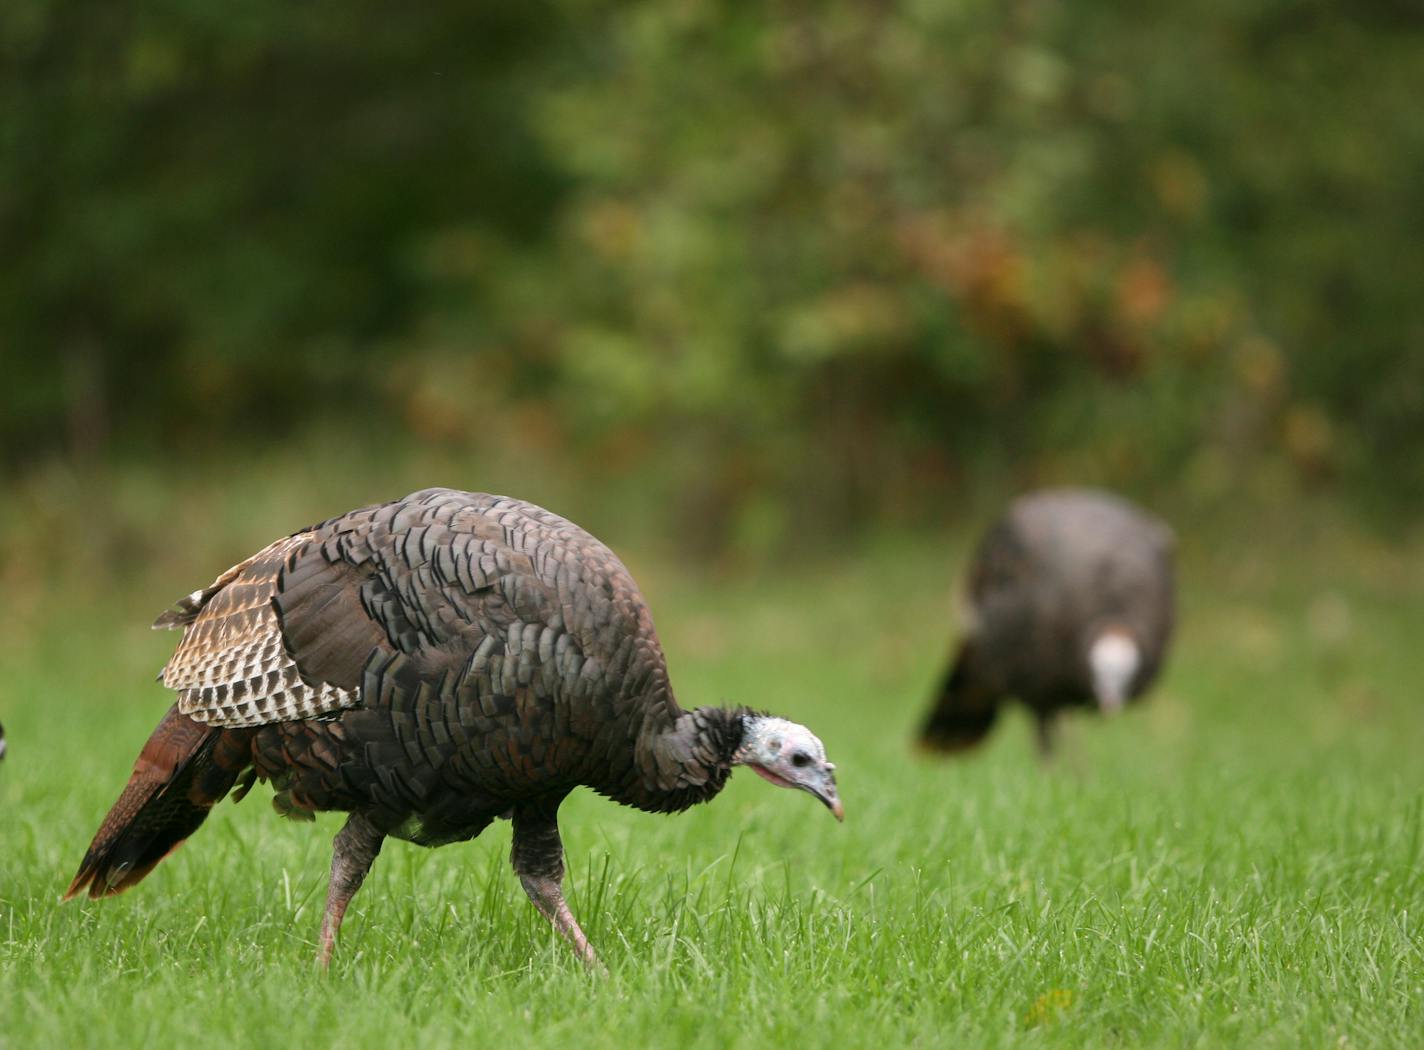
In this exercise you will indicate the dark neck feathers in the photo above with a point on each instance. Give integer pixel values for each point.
(685, 759)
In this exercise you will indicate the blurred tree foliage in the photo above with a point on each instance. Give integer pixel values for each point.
(867, 254)
(210, 216)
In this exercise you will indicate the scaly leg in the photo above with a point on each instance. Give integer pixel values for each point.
(548, 896)
(355, 847)
(1047, 734)
(538, 858)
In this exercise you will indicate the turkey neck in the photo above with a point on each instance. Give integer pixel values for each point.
(682, 757)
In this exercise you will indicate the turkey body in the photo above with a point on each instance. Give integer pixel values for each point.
(1070, 604)
(428, 665)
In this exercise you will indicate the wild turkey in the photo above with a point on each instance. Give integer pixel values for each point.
(1070, 604)
(428, 665)
(2, 742)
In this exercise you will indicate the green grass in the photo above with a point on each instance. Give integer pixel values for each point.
(1238, 863)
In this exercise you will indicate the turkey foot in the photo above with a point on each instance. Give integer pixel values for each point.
(548, 896)
(355, 847)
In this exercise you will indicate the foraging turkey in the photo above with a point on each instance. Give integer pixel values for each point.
(428, 665)
(1070, 605)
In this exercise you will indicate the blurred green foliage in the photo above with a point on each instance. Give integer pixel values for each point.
(792, 263)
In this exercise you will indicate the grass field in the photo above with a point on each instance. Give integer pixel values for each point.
(1240, 862)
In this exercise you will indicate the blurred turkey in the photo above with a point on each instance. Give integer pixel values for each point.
(2, 742)
(428, 665)
(1070, 604)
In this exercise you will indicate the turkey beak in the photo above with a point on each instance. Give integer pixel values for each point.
(826, 792)
(1111, 692)
(1110, 700)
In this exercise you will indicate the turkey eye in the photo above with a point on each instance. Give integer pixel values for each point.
(800, 759)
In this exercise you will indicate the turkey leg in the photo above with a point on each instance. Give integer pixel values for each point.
(355, 847)
(1047, 734)
(538, 858)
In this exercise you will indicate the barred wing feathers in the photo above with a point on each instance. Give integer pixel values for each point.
(289, 633)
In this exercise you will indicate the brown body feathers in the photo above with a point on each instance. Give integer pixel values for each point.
(428, 665)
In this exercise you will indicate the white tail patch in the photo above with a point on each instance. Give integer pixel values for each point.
(1114, 660)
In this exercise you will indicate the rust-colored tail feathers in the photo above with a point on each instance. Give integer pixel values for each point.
(966, 708)
(183, 771)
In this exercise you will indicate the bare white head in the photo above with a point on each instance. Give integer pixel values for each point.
(789, 755)
(1113, 659)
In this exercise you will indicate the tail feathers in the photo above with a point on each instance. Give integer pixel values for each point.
(183, 612)
(183, 771)
(965, 710)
